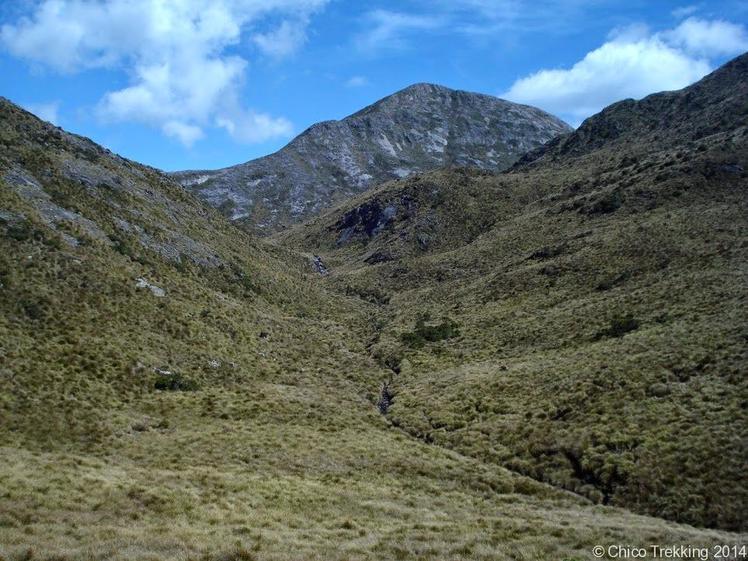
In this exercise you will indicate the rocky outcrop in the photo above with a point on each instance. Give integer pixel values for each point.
(420, 128)
(86, 194)
(710, 106)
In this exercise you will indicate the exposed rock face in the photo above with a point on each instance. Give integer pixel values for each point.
(710, 106)
(420, 128)
(51, 214)
(156, 290)
(87, 194)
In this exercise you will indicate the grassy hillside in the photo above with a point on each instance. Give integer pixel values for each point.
(588, 327)
(420, 128)
(171, 388)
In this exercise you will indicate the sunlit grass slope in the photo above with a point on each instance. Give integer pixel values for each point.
(173, 389)
(588, 325)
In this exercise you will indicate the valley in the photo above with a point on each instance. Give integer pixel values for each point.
(563, 337)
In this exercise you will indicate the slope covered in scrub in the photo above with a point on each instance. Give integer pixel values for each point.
(171, 388)
(581, 318)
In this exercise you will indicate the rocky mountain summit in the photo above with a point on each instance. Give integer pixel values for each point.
(420, 128)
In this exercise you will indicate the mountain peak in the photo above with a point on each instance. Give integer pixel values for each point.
(424, 87)
(419, 128)
(420, 91)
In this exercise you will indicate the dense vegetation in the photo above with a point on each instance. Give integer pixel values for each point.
(600, 298)
(171, 388)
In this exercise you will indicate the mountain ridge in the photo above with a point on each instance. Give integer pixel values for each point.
(659, 117)
(174, 388)
(422, 127)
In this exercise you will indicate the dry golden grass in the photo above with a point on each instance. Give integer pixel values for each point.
(277, 451)
(537, 380)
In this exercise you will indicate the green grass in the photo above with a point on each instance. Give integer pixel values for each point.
(272, 446)
(601, 352)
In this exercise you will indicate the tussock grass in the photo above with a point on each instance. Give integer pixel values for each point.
(278, 452)
(600, 352)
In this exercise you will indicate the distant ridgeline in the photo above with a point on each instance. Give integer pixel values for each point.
(420, 128)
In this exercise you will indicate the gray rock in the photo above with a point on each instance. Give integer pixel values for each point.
(156, 290)
(420, 128)
(658, 390)
(10, 217)
(320, 266)
(53, 215)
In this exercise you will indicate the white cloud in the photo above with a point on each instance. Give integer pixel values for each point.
(356, 82)
(494, 19)
(249, 126)
(684, 11)
(634, 62)
(473, 20)
(45, 111)
(174, 52)
(387, 30)
(185, 133)
(484, 21)
(282, 41)
(708, 38)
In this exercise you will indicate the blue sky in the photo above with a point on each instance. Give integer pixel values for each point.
(193, 84)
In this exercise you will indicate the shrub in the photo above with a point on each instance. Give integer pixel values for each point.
(238, 554)
(619, 326)
(424, 332)
(606, 204)
(611, 282)
(23, 231)
(373, 295)
(227, 207)
(167, 381)
(547, 252)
